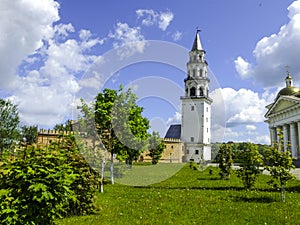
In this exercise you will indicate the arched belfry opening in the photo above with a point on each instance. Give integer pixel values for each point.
(193, 91)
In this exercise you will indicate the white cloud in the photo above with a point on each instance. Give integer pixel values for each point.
(274, 52)
(250, 127)
(165, 19)
(177, 36)
(40, 61)
(23, 25)
(151, 17)
(129, 38)
(243, 106)
(175, 119)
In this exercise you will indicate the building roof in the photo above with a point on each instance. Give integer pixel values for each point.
(197, 43)
(288, 91)
(174, 131)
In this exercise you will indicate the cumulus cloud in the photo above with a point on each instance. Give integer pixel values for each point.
(41, 60)
(150, 17)
(23, 25)
(243, 106)
(274, 52)
(129, 38)
(177, 36)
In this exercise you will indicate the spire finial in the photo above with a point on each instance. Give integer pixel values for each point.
(198, 30)
(287, 70)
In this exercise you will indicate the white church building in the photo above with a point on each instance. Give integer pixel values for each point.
(283, 117)
(195, 128)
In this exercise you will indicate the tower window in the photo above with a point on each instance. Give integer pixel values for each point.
(201, 72)
(207, 130)
(197, 152)
(194, 72)
(193, 108)
(206, 109)
(206, 119)
(192, 139)
(192, 91)
(201, 91)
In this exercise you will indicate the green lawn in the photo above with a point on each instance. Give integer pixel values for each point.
(194, 197)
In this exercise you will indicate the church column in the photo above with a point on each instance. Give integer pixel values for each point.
(278, 132)
(293, 140)
(273, 135)
(285, 137)
(298, 126)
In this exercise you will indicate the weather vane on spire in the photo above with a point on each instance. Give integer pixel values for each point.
(287, 69)
(198, 30)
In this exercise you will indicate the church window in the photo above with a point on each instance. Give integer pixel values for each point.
(197, 152)
(206, 109)
(201, 72)
(207, 130)
(187, 151)
(192, 91)
(193, 108)
(206, 119)
(194, 72)
(192, 139)
(172, 146)
(201, 91)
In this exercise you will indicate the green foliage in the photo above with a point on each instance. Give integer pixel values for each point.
(279, 164)
(29, 134)
(35, 187)
(67, 126)
(120, 124)
(224, 158)
(250, 159)
(38, 185)
(9, 121)
(156, 147)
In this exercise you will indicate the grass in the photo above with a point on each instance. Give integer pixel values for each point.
(194, 197)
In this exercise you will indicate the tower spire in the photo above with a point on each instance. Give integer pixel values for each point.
(288, 79)
(197, 43)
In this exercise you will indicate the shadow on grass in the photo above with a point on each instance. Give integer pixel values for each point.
(261, 199)
(231, 188)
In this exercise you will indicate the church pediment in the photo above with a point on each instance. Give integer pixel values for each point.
(283, 103)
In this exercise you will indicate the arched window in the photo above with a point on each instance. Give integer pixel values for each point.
(193, 91)
(201, 91)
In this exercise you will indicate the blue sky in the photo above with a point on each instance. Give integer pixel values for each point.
(50, 51)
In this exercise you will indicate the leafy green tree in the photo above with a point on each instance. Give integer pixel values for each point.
(224, 158)
(39, 185)
(156, 147)
(120, 124)
(250, 160)
(9, 122)
(35, 187)
(279, 164)
(129, 126)
(29, 134)
(95, 151)
(67, 126)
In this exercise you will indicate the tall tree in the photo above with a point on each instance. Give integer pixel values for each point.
(9, 122)
(250, 159)
(224, 158)
(29, 134)
(156, 147)
(120, 124)
(279, 164)
(94, 151)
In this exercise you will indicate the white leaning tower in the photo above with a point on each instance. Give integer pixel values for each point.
(196, 107)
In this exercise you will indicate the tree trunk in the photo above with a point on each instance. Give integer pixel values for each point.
(112, 169)
(282, 192)
(102, 175)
